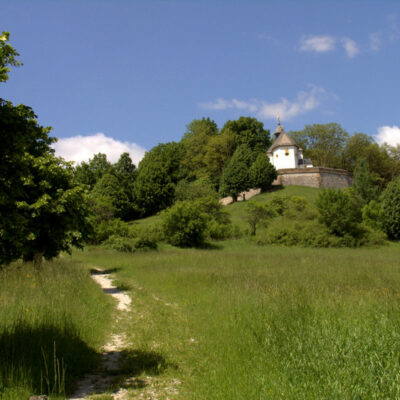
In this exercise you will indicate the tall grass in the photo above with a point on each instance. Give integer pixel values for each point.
(268, 323)
(52, 324)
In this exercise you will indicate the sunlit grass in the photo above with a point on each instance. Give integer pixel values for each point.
(52, 325)
(247, 322)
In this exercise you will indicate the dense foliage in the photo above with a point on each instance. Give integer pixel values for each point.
(391, 209)
(43, 211)
(185, 224)
(340, 211)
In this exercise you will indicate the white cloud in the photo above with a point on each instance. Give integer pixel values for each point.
(375, 41)
(389, 135)
(394, 31)
(319, 44)
(304, 102)
(81, 148)
(350, 46)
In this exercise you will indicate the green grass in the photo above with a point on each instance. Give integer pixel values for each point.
(52, 325)
(248, 322)
(237, 210)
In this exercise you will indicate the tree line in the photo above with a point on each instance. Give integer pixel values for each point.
(48, 205)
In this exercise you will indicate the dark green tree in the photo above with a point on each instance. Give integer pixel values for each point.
(249, 131)
(365, 183)
(109, 187)
(55, 209)
(158, 172)
(88, 173)
(235, 178)
(262, 173)
(390, 209)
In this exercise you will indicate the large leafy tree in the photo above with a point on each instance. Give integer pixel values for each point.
(158, 173)
(108, 187)
(249, 131)
(219, 150)
(323, 143)
(195, 140)
(42, 211)
(381, 159)
(235, 178)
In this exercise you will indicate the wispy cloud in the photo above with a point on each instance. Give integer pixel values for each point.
(393, 25)
(82, 148)
(350, 47)
(389, 135)
(375, 41)
(319, 44)
(305, 101)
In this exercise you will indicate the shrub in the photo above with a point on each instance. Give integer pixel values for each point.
(340, 211)
(104, 229)
(185, 224)
(278, 204)
(130, 245)
(391, 209)
(372, 215)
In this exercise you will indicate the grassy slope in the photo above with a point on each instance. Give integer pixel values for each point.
(237, 209)
(248, 322)
(58, 314)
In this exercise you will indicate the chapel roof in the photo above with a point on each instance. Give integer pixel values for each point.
(282, 139)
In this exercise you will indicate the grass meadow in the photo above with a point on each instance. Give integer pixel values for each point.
(53, 323)
(247, 322)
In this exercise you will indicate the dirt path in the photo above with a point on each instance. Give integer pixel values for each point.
(111, 357)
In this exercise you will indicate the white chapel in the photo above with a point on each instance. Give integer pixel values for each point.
(285, 153)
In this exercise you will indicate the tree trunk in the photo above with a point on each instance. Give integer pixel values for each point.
(38, 259)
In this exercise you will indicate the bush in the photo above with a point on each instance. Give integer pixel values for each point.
(286, 232)
(104, 229)
(372, 215)
(185, 224)
(391, 209)
(340, 211)
(130, 245)
(278, 204)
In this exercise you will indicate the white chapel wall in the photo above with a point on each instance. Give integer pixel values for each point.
(285, 157)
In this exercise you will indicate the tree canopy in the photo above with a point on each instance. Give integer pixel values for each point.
(323, 143)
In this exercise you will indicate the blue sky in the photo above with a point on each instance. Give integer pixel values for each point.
(125, 75)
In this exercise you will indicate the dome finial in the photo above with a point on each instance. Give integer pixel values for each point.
(279, 120)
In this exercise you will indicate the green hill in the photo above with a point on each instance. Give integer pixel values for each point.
(237, 210)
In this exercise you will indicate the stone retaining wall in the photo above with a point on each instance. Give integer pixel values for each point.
(314, 177)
